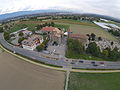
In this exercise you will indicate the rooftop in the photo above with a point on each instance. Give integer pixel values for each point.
(32, 40)
(48, 28)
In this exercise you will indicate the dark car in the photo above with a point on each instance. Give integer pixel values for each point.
(72, 62)
(95, 65)
(101, 62)
(81, 61)
(93, 62)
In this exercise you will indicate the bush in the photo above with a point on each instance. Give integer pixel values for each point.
(7, 36)
(1, 29)
(40, 47)
(20, 40)
(93, 49)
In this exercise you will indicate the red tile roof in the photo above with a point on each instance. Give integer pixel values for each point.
(48, 28)
(78, 36)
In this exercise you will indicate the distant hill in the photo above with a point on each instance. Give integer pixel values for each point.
(103, 16)
(21, 13)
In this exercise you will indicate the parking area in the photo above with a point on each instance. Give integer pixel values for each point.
(57, 50)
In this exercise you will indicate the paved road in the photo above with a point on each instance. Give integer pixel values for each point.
(35, 55)
(16, 74)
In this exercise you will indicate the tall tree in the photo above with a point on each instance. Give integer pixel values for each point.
(93, 36)
(93, 49)
(1, 29)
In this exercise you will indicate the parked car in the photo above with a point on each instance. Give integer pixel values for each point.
(81, 61)
(102, 63)
(92, 62)
(72, 63)
(95, 65)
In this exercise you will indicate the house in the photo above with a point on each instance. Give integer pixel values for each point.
(26, 32)
(54, 34)
(32, 42)
(82, 38)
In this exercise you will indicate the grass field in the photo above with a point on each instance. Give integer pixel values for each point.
(17, 27)
(89, 81)
(64, 27)
(89, 28)
(77, 27)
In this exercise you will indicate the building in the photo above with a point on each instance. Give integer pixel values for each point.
(82, 38)
(107, 26)
(32, 42)
(54, 34)
(26, 32)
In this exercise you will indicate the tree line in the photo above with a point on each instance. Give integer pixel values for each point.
(75, 48)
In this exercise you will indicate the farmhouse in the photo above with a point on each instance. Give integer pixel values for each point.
(32, 42)
(54, 34)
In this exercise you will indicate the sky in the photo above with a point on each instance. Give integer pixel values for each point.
(103, 7)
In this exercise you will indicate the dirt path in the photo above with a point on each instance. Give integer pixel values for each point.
(16, 74)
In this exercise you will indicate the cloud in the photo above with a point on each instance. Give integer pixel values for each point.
(105, 7)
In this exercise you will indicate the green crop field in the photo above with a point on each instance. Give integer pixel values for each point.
(87, 28)
(89, 81)
(65, 27)
(17, 27)
(74, 25)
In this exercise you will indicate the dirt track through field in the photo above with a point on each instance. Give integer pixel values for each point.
(16, 74)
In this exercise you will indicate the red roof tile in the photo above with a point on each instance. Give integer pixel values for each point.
(48, 28)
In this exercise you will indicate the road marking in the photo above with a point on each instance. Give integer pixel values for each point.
(67, 79)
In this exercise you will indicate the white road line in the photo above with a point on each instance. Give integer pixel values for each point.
(67, 79)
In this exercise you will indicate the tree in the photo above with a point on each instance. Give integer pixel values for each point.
(75, 46)
(112, 43)
(114, 54)
(6, 27)
(93, 36)
(21, 34)
(20, 40)
(89, 36)
(40, 47)
(105, 53)
(99, 38)
(7, 36)
(52, 24)
(93, 49)
(1, 29)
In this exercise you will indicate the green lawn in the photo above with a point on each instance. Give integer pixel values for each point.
(89, 81)
(64, 27)
(17, 27)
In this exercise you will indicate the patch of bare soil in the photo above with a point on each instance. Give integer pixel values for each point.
(16, 74)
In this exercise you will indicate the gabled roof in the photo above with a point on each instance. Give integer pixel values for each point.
(48, 29)
(78, 36)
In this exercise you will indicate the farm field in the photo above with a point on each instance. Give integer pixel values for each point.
(17, 74)
(75, 27)
(17, 27)
(32, 24)
(89, 81)
(86, 29)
